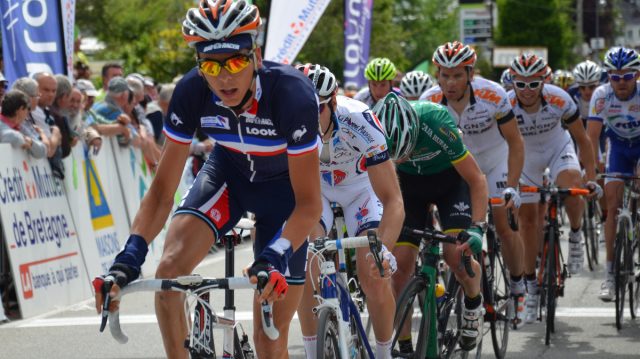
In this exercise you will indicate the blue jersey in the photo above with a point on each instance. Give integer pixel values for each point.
(282, 120)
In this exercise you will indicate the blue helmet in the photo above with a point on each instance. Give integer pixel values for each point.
(506, 79)
(621, 58)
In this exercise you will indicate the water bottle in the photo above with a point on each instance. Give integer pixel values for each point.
(440, 293)
(487, 268)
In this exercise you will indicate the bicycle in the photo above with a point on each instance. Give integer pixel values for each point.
(591, 221)
(553, 270)
(436, 337)
(200, 338)
(341, 333)
(626, 263)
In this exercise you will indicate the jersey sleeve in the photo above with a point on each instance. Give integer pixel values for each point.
(570, 112)
(443, 132)
(375, 144)
(179, 124)
(298, 114)
(596, 105)
(504, 111)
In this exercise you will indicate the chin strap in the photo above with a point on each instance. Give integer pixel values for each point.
(238, 108)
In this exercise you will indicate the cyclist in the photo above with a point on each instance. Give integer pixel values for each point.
(506, 81)
(615, 108)
(483, 113)
(435, 167)
(414, 83)
(358, 174)
(563, 79)
(379, 73)
(541, 109)
(263, 117)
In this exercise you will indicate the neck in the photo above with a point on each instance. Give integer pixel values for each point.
(463, 100)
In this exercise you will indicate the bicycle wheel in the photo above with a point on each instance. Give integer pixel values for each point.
(242, 349)
(412, 296)
(503, 310)
(449, 321)
(327, 344)
(589, 234)
(358, 340)
(551, 276)
(620, 267)
(634, 282)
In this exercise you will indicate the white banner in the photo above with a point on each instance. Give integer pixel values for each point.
(290, 24)
(503, 56)
(68, 25)
(41, 238)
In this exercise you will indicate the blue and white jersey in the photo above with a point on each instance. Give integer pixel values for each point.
(620, 118)
(282, 120)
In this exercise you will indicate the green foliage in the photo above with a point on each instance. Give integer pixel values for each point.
(538, 23)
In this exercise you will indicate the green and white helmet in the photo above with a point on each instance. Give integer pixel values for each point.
(400, 123)
(380, 69)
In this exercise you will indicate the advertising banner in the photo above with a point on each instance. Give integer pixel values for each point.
(290, 24)
(68, 22)
(32, 38)
(357, 31)
(41, 239)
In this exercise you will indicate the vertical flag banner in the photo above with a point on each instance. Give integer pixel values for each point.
(357, 30)
(68, 24)
(32, 38)
(290, 24)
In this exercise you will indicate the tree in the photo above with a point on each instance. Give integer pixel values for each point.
(538, 23)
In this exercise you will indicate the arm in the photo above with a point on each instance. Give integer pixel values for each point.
(385, 185)
(54, 140)
(13, 137)
(594, 128)
(512, 135)
(306, 189)
(586, 150)
(112, 130)
(470, 172)
(157, 203)
(38, 149)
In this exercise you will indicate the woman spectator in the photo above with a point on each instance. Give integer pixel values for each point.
(15, 109)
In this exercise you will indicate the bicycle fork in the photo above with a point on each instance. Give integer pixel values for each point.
(329, 292)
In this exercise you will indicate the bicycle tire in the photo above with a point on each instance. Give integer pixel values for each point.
(551, 276)
(503, 307)
(327, 337)
(404, 311)
(619, 265)
(598, 226)
(448, 328)
(358, 340)
(588, 231)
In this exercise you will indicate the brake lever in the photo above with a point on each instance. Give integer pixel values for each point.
(106, 288)
(375, 247)
(466, 260)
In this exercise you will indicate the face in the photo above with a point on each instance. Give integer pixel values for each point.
(22, 114)
(586, 91)
(75, 102)
(111, 73)
(625, 84)
(231, 87)
(379, 89)
(528, 96)
(88, 102)
(48, 87)
(453, 82)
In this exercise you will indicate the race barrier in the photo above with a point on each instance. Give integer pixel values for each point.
(61, 234)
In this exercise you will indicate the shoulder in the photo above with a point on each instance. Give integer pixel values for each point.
(433, 94)
(190, 86)
(430, 112)
(557, 97)
(488, 92)
(362, 94)
(285, 85)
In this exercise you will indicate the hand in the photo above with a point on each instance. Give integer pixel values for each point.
(123, 119)
(101, 287)
(595, 189)
(276, 286)
(96, 144)
(474, 243)
(514, 200)
(125, 132)
(27, 142)
(389, 263)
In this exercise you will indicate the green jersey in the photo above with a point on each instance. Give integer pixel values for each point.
(439, 144)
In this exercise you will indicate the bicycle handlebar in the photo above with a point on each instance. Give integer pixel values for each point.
(564, 191)
(433, 235)
(182, 284)
(370, 240)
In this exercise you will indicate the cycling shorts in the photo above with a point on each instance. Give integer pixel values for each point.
(558, 159)
(621, 159)
(361, 207)
(447, 190)
(220, 195)
(497, 179)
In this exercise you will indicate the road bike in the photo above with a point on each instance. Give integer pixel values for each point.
(591, 227)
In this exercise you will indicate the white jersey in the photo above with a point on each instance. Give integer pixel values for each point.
(620, 118)
(543, 129)
(488, 108)
(357, 142)
(364, 96)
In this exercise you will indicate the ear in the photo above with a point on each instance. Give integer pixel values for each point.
(258, 57)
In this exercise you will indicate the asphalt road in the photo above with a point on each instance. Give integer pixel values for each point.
(585, 326)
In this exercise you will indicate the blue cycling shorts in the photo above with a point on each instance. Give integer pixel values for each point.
(622, 158)
(220, 195)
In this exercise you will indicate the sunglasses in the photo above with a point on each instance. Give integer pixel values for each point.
(233, 64)
(627, 77)
(521, 85)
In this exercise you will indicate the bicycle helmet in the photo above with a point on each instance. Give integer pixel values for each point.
(563, 79)
(587, 72)
(414, 83)
(400, 124)
(506, 80)
(621, 58)
(323, 80)
(380, 69)
(219, 20)
(454, 54)
(527, 65)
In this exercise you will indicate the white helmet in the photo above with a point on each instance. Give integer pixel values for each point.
(414, 83)
(529, 65)
(454, 54)
(323, 80)
(587, 72)
(219, 20)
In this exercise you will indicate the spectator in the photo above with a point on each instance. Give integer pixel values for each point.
(111, 119)
(77, 122)
(30, 88)
(81, 71)
(15, 109)
(3, 86)
(47, 86)
(150, 89)
(109, 71)
(89, 91)
(59, 110)
(136, 112)
(157, 110)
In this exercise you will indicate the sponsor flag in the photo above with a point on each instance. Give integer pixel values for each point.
(357, 14)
